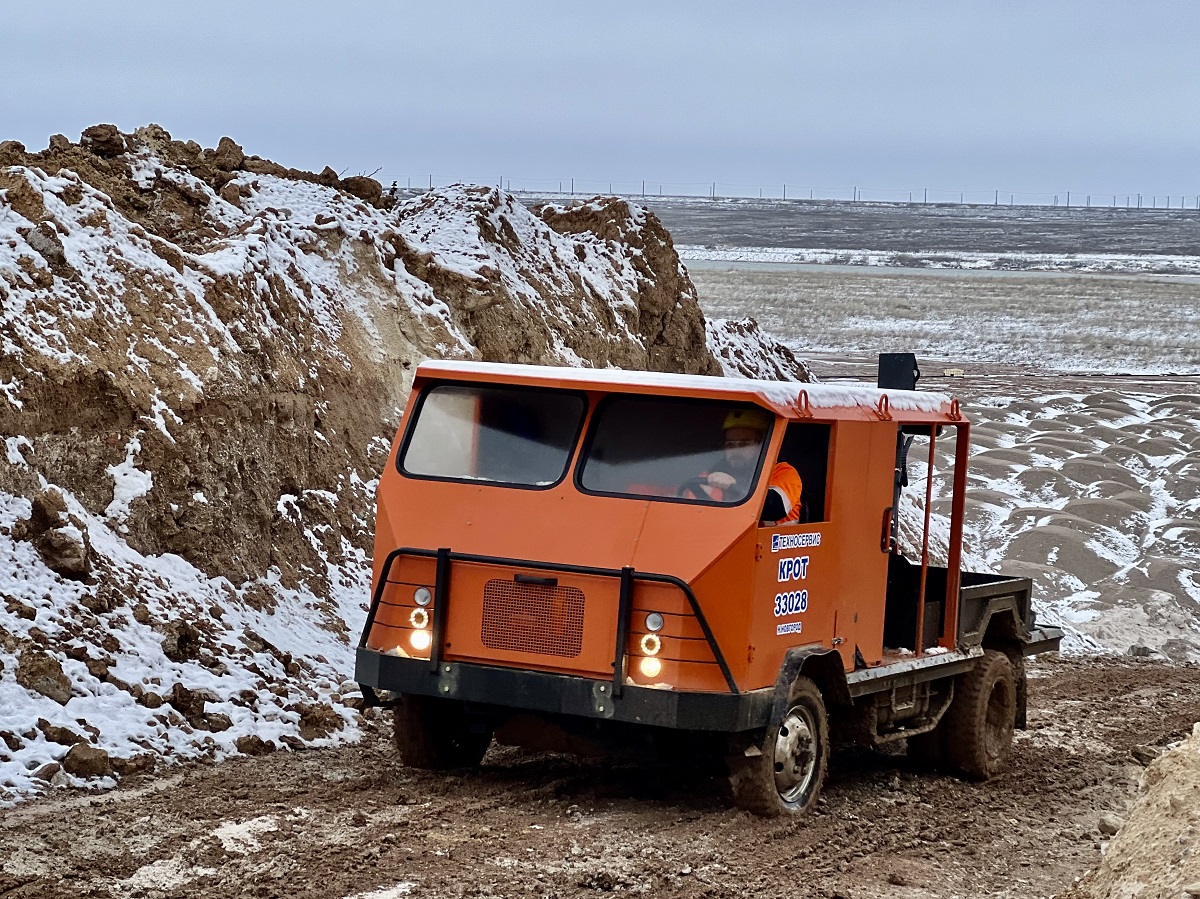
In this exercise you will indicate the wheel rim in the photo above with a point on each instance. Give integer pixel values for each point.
(795, 754)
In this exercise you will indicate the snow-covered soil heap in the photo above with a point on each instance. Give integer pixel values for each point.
(204, 358)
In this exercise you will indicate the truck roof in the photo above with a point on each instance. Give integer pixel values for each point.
(792, 399)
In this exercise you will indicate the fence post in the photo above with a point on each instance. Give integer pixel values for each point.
(785, 191)
(927, 196)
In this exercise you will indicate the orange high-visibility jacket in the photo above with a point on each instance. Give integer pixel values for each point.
(785, 481)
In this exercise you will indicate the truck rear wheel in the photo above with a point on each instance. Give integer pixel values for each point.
(438, 734)
(784, 772)
(980, 721)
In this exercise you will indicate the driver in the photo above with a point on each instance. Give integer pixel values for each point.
(744, 432)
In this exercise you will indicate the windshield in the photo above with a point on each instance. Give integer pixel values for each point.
(696, 450)
(506, 435)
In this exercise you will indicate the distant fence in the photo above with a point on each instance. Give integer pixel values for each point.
(573, 187)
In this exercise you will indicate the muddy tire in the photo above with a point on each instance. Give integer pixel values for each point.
(438, 734)
(980, 722)
(784, 773)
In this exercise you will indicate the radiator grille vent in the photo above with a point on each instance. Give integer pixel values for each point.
(532, 618)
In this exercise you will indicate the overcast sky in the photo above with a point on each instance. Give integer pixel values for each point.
(1037, 97)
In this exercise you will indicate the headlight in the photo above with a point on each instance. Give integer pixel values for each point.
(419, 619)
(420, 641)
(650, 667)
(651, 644)
(422, 596)
(654, 622)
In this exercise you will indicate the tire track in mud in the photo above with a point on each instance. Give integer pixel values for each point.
(351, 822)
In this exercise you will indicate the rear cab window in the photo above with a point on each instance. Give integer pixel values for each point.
(508, 436)
(664, 448)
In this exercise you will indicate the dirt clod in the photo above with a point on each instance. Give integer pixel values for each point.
(318, 720)
(56, 733)
(362, 187)
(181, 641)
(47, 771)
(42, 673)
(1110, 824)
(252, 744)
(189, 703)
(103, 140)
(87, 761)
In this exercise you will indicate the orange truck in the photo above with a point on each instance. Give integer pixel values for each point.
(579, 558)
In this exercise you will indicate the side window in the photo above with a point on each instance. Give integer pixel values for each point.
(806, 448)
(686, 450)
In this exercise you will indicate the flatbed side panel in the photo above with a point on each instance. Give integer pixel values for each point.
(984, 596)
(911, 671)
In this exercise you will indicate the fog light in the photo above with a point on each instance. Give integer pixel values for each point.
(422, 596)
(651, 644)
(650, 667)
(419, 619)
(421, 640)
(654, 622)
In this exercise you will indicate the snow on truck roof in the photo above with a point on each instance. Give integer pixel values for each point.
(789, 398)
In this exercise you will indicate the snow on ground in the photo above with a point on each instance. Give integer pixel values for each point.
(1096, 496)
(1066, 322)
(264, 658)
(1083, 263)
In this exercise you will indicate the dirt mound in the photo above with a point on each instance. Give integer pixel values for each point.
(1153, 854)
(205, 356)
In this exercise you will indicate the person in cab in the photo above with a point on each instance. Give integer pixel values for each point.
(745, 430)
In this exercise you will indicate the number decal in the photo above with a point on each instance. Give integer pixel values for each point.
(792, 603)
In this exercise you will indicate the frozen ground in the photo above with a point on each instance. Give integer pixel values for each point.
(1069, 322)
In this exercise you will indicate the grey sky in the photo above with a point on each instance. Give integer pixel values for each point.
(1045, 97)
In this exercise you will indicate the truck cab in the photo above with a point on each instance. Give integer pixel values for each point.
(584, 554)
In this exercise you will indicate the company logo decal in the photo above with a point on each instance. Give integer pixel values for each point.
(794, 541)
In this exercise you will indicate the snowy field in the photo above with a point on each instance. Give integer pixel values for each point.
(1070, 322)
(1085, 471)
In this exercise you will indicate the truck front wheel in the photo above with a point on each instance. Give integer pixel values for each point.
(783, 774)
(980, 721)
(438, 734)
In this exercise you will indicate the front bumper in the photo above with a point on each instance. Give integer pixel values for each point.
(561, 694)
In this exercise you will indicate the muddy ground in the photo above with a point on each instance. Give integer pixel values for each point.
(351, 821)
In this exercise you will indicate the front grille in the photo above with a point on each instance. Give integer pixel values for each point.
(532, 618)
